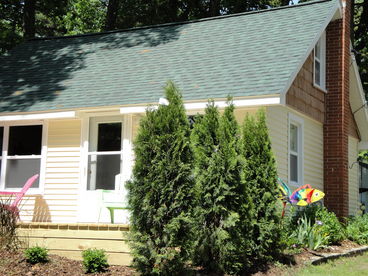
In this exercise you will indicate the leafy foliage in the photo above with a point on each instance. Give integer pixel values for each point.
(309, 235)
(36, 254)
(323, 225)
(224, 211)
(360, 27)
(330, 224)
(161, 192)
(83, 16)
(94, 260)
(262, 178)
(357, 229)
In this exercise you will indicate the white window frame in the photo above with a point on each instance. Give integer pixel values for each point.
(6, 125)
(322, 62)
(126, 159)
(299, 122)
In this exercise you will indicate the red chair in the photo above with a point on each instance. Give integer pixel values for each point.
(14, 207)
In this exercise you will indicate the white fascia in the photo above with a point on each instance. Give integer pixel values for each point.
(360, 112)
(202, 105)
(39, 116)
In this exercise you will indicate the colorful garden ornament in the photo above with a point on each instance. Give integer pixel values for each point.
(302, 196)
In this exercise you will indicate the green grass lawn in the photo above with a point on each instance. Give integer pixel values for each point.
(351, 266)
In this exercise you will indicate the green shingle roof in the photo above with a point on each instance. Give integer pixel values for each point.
(249, 54)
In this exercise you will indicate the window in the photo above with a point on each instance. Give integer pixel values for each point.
(295, 150)
(21, 154)
(320, 62)
(104, 153)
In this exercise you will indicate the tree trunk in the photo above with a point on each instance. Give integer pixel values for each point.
(29, 18)
(111, 15)
(214, 8)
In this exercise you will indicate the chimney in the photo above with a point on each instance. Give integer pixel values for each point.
(336, 127)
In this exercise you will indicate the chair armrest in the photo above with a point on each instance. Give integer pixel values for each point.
(8, 193)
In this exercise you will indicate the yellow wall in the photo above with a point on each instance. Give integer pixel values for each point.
(277, 120)
(62, 178)
(353, 177)
(59, 201)
(313, 153)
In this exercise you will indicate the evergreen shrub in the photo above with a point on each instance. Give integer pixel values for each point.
(262, 178)
(224, 210)
(161, 192)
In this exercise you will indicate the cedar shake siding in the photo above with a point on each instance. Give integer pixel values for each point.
(304, 96)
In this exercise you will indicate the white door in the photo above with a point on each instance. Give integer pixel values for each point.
(103, 169)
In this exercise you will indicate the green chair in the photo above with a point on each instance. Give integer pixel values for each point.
(112, 201)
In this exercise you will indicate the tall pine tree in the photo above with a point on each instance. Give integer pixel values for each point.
(224, 211)
(161, 191)
(262, 176)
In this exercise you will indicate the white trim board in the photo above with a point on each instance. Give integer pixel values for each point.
(358, 101)
(39, 116)
(203, 105)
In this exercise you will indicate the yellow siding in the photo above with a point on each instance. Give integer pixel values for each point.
(313, 153)
(277, 120)
(59, 202)
(353, 177)
(135, 125)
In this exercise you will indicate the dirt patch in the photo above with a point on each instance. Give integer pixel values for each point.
(15, 264)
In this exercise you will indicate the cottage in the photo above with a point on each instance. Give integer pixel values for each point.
(70, 108)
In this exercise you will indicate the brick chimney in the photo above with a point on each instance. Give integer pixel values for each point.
(336, 127)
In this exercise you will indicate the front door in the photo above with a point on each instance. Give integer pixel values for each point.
(103, 167)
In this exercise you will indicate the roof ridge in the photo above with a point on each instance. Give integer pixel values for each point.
(181, 22)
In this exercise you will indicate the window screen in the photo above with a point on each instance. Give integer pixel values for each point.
(25, 140)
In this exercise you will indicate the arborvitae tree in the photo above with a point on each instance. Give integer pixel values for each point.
(224, 211)
(262, 176)
(161, 190)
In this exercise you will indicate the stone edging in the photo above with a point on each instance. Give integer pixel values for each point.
(324, 257)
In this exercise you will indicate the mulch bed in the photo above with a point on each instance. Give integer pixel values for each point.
(14, 264)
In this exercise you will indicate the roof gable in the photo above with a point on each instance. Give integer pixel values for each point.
(250, 54)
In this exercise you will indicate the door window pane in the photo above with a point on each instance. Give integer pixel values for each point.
(25, 140)
(109, 137)
(19, 170)
(103, 171)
